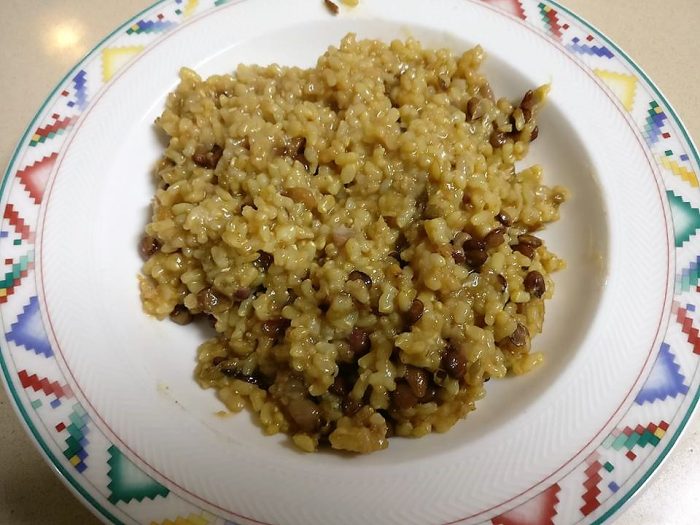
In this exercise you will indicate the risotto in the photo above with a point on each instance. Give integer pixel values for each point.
(357, 234)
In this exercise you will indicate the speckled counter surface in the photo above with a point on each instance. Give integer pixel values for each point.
(41, 39)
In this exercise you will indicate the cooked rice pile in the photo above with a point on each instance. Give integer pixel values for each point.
(358, 235)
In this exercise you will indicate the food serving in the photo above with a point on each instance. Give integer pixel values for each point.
(358, 235)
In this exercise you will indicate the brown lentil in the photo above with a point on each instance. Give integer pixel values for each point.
(474, 109)
(415, 312)
(264, 261)
(357, 275)
(148, 246)
(528, 101)
(333, 8)
(209, 159)
(494, 238)
(257, 380)
(486, 92)
(475, 257)
(351, 406)
(497, 139)
(517, 342)
(530, 240)
(340, 386)
(181, 315)
(305, 414)
(454, 362)
(359, 340)
(275, 327)
(294, 147)
(504, 219)
(403, 397)
(502, 282)
(417, 379)
(210, 301)
(534, 283)
(527, 250)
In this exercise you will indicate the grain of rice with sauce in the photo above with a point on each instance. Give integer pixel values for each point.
(358, 235)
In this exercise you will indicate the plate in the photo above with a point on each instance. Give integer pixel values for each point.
(108, 394)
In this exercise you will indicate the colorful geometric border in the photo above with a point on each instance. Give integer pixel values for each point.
(98, 472)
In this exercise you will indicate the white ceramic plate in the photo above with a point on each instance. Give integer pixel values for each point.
(108, 393)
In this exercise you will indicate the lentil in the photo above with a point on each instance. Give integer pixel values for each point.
(534, 283)
(454, 362)
(181, 315)
(359, 340)
(494, 238)
(209, 159)
(530, 240)
(526, 249)
(415, 312)
(403, 397)
(357, 275)
(417, 380)
(148, 246)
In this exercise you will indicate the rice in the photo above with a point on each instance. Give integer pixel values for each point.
(358, 236)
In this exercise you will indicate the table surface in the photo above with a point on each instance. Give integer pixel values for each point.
(32, 63)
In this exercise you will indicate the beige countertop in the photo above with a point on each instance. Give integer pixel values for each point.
(661, 35)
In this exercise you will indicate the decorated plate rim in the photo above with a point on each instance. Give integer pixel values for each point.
(85, 494)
